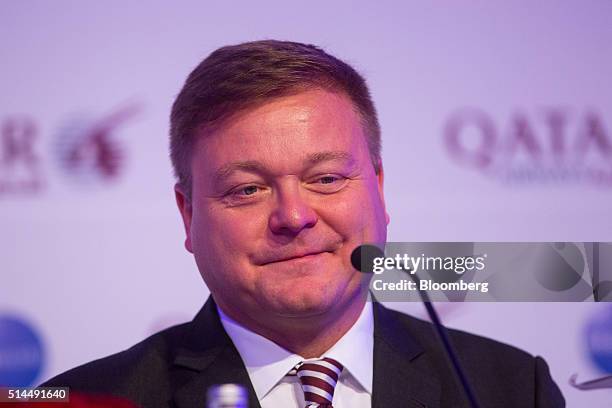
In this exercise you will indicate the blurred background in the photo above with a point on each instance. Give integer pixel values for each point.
(497, 126)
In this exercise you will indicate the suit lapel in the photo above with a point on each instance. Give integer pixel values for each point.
(208, 357)
(401, 377)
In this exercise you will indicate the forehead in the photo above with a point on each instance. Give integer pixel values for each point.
(284, 132)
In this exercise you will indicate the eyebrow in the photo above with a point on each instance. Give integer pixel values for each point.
(255, 166)
(226, 170)
(319, 157)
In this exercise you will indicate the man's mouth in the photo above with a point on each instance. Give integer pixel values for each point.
(286, 258)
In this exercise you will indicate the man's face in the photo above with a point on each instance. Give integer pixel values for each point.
(281, 196)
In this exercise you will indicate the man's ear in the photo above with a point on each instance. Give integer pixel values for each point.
(184, 205)
(381, 191)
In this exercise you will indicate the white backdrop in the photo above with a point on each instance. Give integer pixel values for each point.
(92, 256)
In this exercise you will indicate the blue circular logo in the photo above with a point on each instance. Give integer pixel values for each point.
(599, 339)
(21, 353)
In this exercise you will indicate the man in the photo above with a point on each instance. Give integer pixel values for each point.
(276, 148)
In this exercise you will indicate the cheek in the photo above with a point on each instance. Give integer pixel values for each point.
(357, 214)
(222, 243)
(345, 222)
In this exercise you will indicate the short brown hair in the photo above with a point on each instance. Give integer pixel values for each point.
(238, 77)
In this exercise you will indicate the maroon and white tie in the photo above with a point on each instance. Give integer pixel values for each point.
(319, 378)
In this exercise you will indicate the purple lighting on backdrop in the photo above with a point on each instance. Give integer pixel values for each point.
(531, 159)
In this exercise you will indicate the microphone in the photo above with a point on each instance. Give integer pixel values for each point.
(362, 259)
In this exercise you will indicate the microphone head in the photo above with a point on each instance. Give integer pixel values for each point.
(362, 257)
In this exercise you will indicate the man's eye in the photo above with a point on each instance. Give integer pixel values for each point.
(247, 191)
(327, 184)
(328, 179)
(244, 195)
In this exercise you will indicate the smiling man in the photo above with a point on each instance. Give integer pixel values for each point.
(276, 150)
(289, 190)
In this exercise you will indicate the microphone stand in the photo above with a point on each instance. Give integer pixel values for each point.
(362, 259)
(443, 336)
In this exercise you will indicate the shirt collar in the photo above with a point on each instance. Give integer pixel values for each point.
(267, 363)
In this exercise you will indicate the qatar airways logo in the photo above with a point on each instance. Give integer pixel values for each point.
(549, 146)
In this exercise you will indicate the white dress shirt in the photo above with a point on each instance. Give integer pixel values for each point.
(267, 364)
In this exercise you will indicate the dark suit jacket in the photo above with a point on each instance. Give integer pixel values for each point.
(175, 367)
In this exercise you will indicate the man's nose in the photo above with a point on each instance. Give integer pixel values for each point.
(291, 213)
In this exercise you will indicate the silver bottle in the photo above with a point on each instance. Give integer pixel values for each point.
(227, 396)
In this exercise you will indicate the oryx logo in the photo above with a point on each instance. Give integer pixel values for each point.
(87, 149)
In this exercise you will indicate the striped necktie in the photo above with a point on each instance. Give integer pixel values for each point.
(318, 378)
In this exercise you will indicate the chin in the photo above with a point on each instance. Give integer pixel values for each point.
(316, 299)
(298, 308)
